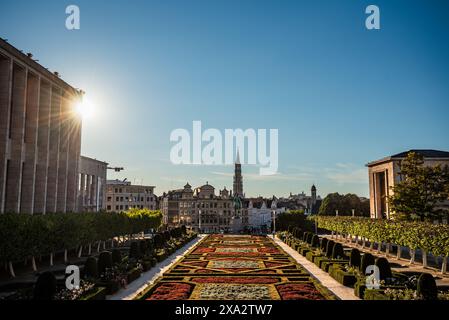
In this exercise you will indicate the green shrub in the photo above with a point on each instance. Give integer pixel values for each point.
(134, 250)
(384, 268)
(143, 247)
(309, 237)
(91, 268)
(104, 261)
(427, 287)
(315, 242)
(337, 251)
(116, 256)
(305, 236)
(329, 248)
(323, 244)
(367, 260)
(158, 240)
(45, 287)
(354, 258)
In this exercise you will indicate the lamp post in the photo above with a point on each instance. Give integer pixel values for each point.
(274, 223)
(336, 213)
(353, 212)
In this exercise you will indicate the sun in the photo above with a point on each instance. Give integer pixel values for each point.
(85, 108)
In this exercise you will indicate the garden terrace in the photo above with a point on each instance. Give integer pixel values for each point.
(348, 264)
(236, 267)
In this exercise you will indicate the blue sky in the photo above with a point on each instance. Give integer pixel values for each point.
(339, 94)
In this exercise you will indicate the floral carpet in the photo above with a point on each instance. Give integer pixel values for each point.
(237, 267)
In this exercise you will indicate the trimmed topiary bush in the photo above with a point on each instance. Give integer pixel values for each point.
(323, 244)
(134, 251)
(337, 251)
(315, 242)
(158, 240)
(329, 248)
(384, 268)
(427, 287)
(104, 261)
(305, 235)
(143, 247)
(309, 238)
(91, 268)
(45, 287)
(367, 260)
(116, 256)
(354, 258)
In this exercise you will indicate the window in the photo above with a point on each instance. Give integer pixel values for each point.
(121, 207)
(108, 208)
(117, 199)
(109, 198)
(121, 198)
(116, 190)
(141, 199)
(116, 208)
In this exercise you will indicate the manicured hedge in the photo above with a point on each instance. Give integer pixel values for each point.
(422, 235)
(24, 235)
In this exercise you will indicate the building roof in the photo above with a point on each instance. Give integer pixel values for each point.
(426, 153)
(28, 60)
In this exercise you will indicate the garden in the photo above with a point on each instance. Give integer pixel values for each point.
(110, 250)
(236, 267)
(348, 265)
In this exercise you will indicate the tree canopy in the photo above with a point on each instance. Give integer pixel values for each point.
(421, 190)
(344, 204)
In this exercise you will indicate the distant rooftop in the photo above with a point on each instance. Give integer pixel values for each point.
(426, 153)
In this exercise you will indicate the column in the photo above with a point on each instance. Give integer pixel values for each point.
(64, 136)
(43, 137)
(16, 134)
(53, 162)
(5, 106)
(30, 139)
(74, 148)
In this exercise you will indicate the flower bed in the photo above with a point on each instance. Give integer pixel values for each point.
(227, 267)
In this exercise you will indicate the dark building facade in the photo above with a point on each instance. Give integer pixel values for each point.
(40, 136)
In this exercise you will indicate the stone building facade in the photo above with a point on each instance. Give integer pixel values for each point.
(92, 184)
(122, 195)
(40, 136)
(385, 173)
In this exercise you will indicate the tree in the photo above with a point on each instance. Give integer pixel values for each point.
(421, 189)
(344, 204)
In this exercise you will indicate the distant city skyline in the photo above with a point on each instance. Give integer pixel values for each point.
(340, 95)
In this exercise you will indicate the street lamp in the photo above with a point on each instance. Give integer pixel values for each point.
(274, 223)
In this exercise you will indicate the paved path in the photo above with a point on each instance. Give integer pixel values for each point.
(342, 292)
(147, 278)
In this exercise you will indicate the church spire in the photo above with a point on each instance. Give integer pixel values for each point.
(238, 181)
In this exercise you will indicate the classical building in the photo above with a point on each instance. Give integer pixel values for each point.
(203, 210)
(385, 173)
(40, 136)
(92, 186)
(122, 195)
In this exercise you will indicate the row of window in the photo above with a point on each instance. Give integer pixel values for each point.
(120, 190)
(126, 207)
(131, 199)
(205, 205)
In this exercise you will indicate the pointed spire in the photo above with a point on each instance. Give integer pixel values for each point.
(237, 160)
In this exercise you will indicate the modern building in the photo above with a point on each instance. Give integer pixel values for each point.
(40, 136)
(122, 195)
(92, 184)
(385, 173)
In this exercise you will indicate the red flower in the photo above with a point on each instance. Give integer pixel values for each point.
(239, 280)
(299, 291)
(171, 291)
